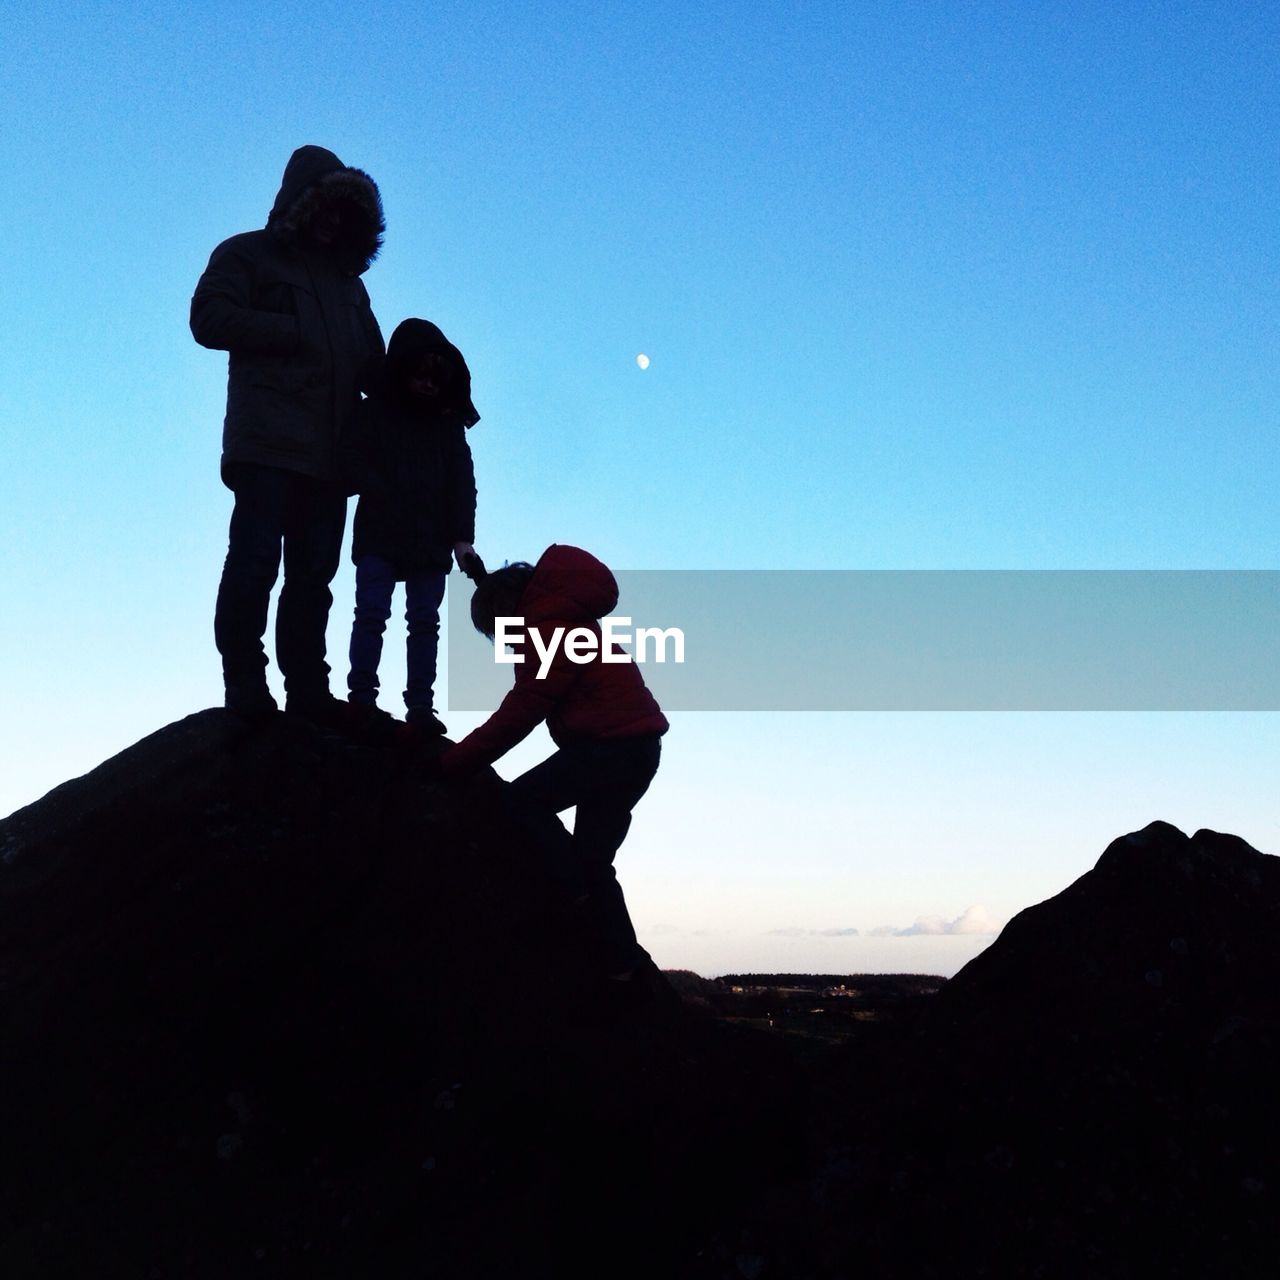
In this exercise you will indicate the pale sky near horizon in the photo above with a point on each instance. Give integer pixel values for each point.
(943, 286)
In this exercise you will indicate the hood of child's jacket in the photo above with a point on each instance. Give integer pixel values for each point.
(315, 176)
(414, 338)
(569, 585)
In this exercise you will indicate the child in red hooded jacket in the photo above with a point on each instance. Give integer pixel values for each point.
(606, 724)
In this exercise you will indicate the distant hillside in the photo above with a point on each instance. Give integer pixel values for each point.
(1093, 1095)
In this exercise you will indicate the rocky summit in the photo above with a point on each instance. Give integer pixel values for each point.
(274, 1002)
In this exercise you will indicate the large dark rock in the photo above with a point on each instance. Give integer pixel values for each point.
(1093, 1096)
(272, 1004)
(1165, 933)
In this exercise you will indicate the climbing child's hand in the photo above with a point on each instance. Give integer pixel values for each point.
(468, 561)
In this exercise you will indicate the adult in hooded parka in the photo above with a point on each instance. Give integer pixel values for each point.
(288, 304)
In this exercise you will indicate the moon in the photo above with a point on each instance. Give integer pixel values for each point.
(642, 360)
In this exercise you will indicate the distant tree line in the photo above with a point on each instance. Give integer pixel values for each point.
(760, 994)
(876, 985)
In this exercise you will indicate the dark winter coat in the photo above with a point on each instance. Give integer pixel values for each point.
(296, 320)
(569, 588)
(410, 462)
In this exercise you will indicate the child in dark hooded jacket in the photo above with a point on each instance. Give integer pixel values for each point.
(412, 467)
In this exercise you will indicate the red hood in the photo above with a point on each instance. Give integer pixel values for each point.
(568, 585)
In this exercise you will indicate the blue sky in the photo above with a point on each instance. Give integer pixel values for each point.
(924, 286)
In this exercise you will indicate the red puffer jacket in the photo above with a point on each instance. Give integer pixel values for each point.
(570, 588)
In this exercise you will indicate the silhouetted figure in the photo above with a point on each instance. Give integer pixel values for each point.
(288, 305)
(605, 722)
(412, 467)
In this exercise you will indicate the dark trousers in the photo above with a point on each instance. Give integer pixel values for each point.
(278, 513)
(604, 778)
(423, 592)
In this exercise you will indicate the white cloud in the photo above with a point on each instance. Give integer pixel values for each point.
(794, 931)
(976, 920)
(973, 920)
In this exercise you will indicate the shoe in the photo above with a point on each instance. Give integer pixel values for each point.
(371, 724)
(425, 721)
(325, 713)
(252, 705)
(361, 710)
(359, 721)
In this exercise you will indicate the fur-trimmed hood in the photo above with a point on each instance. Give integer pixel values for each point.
(315, 176)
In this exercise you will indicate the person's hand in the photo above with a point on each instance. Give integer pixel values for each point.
(468, 561)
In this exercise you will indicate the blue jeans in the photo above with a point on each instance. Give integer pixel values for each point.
(423, 592)
(278, 510)
(604, 778)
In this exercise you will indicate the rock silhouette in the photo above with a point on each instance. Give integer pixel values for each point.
(1093, 1095)
(272, 1004)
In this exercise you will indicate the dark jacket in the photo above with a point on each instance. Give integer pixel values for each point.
(296, 320)
(569, 588)
(410, 461)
